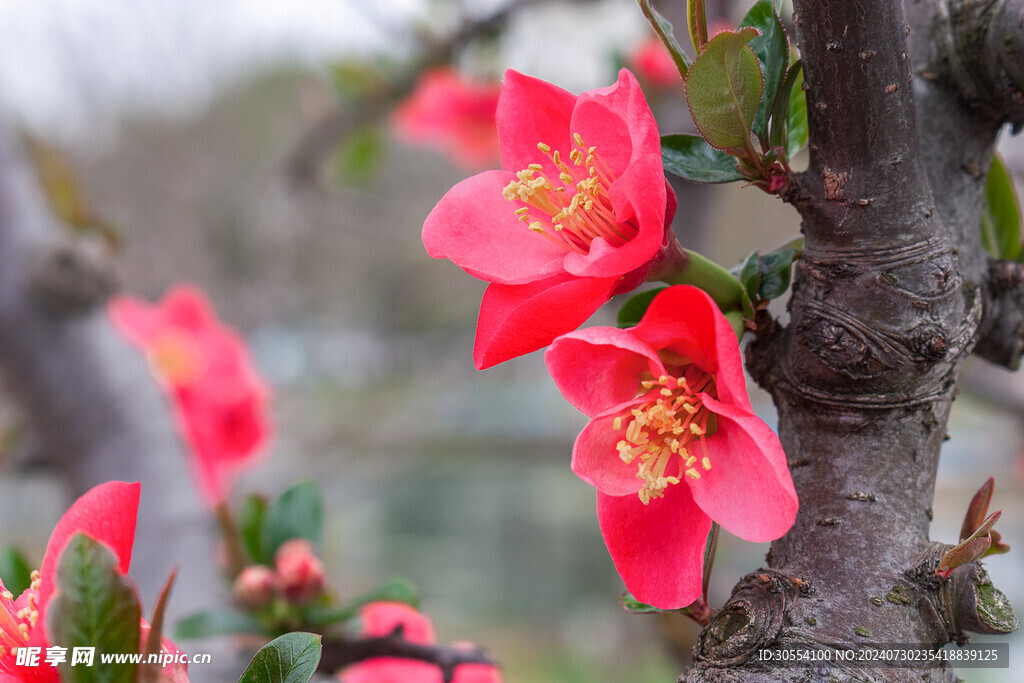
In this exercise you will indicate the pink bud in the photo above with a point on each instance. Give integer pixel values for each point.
(255, 586)
(300, 573)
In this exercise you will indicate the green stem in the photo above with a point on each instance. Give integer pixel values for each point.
(235, 556)
(718, 282)
(709, 558)
(664, 31)
(697, 19)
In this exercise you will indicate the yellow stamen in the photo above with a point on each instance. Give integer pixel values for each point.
(573, 219)
(661, 429)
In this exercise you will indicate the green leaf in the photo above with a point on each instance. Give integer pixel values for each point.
(633, 310)
(15, 571)
(394, 590)
(251, 515)
(150, 672)
(663, 28)
(359, 156)
(291, 658)
(95, 606)
(796, 118)
(634, 606)
(298, 513)
(767, 276)
(723, 89)
(218, 623)
(353, 80)
(1000, 219)
(772, 51)
(780, 113)
(690, 157)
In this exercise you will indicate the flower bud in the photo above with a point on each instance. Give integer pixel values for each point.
(300, 573)
(255, 586)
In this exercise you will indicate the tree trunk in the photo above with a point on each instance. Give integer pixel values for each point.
(892, 293)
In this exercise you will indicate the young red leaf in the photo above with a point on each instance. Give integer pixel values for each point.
(978, 508)
(962, 554)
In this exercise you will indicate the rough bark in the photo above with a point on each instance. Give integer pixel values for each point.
(892, 293)
(96, 415)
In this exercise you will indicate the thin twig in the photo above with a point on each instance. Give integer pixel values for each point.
(320, 139)
(337, 654)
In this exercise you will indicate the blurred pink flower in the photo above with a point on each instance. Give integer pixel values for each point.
(654, 64)
(106, 513)
(220, 401)
(453, 113)
(381, 619)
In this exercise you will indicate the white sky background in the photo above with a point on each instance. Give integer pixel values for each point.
(70, 69)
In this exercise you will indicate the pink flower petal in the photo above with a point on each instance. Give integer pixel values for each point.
(596, 461)
(391, 670)
(598, 367)
(684, 319)
(618, 121)
(476, 227)
(476, 673)
(658, 549)
(381, 618)
(518, 319)
(748, 489)
(138, 321)
(638, 196)
(530, 111)
(107, 513)
(187, 307)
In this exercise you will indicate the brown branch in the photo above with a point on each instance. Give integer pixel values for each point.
(338, 654)
(320, 139)
(969, 57)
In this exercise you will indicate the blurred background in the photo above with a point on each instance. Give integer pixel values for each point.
(188, 127)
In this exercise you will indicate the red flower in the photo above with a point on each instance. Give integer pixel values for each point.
(453, 113)
(579, 213)
(220, 401)
(107, 513)
(672, 444)
(654, 64)
(381, 619)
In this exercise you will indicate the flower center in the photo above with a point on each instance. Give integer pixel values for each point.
(16, 624)
(175, 358)
(569, 219)
(662, 431)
